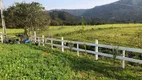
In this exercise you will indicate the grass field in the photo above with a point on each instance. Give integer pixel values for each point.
(112, 34)
(13, 32)
(27, 62)
(117, 34)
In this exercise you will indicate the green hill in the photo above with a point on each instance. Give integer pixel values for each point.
(121, 11)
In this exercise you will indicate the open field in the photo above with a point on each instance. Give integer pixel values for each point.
(13, 32)
(41, 63)
(111, 34)
(117, 34)
(19, 62)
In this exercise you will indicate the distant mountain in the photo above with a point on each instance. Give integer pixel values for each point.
(76, 12)
(120, 11)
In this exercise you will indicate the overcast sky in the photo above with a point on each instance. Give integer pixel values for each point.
(63, 4)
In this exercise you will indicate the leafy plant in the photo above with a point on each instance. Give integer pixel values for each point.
(28, 16)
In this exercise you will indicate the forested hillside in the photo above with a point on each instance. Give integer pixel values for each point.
(62, 18)
(122, 11)
(76, 12)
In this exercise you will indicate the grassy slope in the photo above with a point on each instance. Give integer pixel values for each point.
(38, 63)
(119, 34)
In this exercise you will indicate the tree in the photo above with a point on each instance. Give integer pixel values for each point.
(29, 16)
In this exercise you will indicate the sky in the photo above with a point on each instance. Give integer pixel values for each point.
(63, 4)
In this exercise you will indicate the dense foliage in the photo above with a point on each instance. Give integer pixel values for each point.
(29, 16)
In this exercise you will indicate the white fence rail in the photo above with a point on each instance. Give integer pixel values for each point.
(61, 44)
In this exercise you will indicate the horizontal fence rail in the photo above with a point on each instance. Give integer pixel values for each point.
(61, 43)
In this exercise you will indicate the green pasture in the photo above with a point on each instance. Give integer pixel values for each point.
(28, 62)
(112, 34)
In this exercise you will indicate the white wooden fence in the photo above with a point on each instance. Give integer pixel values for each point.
(1, 38)
(50, 41)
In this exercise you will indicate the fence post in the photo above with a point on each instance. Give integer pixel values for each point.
(96, 50)
(39, 41)
(34, 36)
(43, 40)
(123, 62)
(1, 37)
(77, 49)
(51, 43)
(62, 43)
